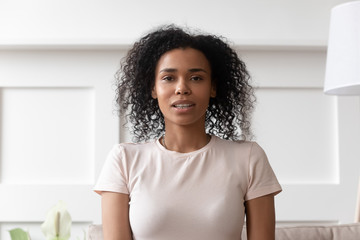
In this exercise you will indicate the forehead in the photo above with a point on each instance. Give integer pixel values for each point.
(183, 58)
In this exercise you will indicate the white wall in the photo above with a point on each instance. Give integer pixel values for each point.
(120, 22)
(57, 60)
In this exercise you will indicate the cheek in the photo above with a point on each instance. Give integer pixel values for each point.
(163, 106)
(162, 92)
(205, 94)
(162, 97)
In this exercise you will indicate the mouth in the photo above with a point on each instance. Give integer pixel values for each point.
(183, 106)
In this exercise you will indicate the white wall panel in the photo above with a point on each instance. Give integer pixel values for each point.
(310, 138)
(58, 106)
(298, 128)
(47, 135)
(286, 68)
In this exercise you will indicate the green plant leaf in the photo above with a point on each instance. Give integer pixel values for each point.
(19, 234)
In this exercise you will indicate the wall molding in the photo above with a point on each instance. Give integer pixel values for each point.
(123, 44)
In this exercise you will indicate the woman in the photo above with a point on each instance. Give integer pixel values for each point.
(199, 176)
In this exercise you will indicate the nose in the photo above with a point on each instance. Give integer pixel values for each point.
(182, 88)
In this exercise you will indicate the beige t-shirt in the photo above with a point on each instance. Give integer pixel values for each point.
(196, 195)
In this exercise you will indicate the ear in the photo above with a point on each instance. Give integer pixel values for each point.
(153, 93)
(213, 90)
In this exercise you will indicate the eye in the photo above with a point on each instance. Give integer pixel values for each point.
(196, 78)
(167, 78)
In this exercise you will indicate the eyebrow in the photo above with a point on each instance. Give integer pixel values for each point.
(190, 70)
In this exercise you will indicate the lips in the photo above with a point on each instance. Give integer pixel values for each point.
(183, 104)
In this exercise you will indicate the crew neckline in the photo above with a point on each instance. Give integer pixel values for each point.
(179, 154)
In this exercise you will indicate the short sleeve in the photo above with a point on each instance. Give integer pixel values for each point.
(113, 174)
(262, 179)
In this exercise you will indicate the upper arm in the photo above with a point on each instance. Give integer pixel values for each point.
(115, 216)
(260, 218)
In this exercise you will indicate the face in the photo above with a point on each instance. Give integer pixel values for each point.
(183, 86)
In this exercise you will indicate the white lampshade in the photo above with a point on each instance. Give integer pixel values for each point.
(343, 56)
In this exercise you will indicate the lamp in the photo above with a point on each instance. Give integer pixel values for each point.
(342, 75)
(343, 56)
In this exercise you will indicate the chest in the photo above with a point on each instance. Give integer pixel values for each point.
(198, 196)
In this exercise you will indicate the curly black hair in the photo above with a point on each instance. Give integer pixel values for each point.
(227, 113)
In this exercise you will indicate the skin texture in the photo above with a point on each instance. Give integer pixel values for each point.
(183, 76)
(260, 218)
(115, 216)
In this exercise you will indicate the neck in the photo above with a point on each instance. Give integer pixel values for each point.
(185, 140)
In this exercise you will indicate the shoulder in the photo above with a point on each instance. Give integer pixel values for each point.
(135, 146)
(246, 151)
(124, 149)
(250, 147)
